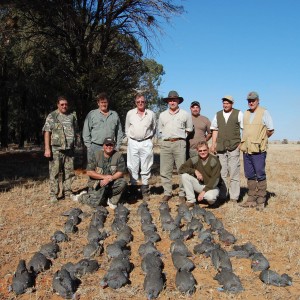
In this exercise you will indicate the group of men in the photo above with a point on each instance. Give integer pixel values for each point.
(184, 136)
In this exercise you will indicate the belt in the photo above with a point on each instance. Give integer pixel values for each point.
(142, 139)
(97, 144)
(174, 139)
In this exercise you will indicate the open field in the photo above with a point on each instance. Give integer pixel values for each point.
(28, 220)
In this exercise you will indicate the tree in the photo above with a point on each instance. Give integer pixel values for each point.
(81, 47)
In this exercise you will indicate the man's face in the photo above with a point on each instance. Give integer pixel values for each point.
(140, 103)
(203, 152)
(195, 110)
(62, 106)
(108, 149)
(173, 103)
(253, 104)
(103, 105)
(227, 106)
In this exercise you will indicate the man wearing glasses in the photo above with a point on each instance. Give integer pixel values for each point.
(101, 123)
(59, 136)
(174, 125)
(258, 127)
(201, 174)
(106, 169)
(140, 127)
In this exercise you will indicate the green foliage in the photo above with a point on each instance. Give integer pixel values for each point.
(75, 48)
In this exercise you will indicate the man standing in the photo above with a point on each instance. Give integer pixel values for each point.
(226, 137)
(59, 137)
(106, 169)
(174, 124)
(201, 174)
(201, 130)
(101, 123)
(140, 128)
(258, 127)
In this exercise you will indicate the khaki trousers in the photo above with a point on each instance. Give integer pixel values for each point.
(170, 153)
(230, 161)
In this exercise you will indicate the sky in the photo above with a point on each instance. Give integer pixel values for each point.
(232, 47)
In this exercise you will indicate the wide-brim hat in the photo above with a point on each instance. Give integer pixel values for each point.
(173, 95)
(228, 98)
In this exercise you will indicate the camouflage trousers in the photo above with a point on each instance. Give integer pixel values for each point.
(99, 195)
(62, 162)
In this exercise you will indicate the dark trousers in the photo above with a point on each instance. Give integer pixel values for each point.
(255, 166)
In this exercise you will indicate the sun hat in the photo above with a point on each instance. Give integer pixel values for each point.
(173, 95)
(228, 98)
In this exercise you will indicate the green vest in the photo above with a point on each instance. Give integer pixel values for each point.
(229, 136)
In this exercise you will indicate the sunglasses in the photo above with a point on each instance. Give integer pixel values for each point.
(64, 104)
(202, 150)
(109, 145)
(138, 102)
(251, 100)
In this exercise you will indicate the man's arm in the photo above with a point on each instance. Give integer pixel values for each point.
(47, 139)
(214, 141)
(270, 132)
(187, 167)
(86, 132)
(119, 135)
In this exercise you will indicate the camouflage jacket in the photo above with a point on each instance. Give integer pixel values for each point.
(63, 128)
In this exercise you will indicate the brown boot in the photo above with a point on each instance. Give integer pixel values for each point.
(261, 193)
(251, 200)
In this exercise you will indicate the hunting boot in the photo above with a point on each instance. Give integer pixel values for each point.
(145, 192)
(261, 194)
(251, 200)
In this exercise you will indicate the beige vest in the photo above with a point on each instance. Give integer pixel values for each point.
(254, 139)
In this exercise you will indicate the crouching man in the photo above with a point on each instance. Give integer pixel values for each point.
(201, 174)
(106, 169)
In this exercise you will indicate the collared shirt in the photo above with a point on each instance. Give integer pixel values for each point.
(226, 115)
(140, 127)
(98, 126)
(174, 125)
(267, 119)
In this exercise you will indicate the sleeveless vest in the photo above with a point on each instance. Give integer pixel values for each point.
(113, 163)
(228, 133)
(254, 139)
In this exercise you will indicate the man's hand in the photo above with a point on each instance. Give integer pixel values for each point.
(47, 153)
(212, 149)
(106, 180)
(201, 196)
(198, 175)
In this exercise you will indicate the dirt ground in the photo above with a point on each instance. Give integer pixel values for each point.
(28, 220)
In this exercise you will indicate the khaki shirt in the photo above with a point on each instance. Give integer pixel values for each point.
(175, 125)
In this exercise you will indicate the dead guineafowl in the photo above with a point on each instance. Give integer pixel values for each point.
(185, 282)
(39, 263)
(59, 237)
(259, 262)
(63, 284)
(229, 281)
(50, 250)
(114, 279)
(273, 278)
(153, 283)
(182, 263)
(22, 279)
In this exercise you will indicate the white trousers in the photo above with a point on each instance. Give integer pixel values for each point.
(191, 185)
(139, 155)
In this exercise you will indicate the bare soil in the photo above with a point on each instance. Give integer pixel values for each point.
(28, 220)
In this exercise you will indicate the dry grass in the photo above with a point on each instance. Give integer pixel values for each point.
(27, 221)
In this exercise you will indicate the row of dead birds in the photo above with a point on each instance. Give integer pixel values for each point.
(66, 280)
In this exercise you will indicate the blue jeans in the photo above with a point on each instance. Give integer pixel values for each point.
(255, 166)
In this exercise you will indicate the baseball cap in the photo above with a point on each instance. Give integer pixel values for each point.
(195, 103)
(228, 98)
(108, 140)
(252, 96)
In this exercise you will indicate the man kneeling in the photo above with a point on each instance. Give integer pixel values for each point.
(105, 169)
(201, 174)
